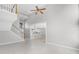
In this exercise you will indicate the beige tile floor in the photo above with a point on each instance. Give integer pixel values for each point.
(35, 47)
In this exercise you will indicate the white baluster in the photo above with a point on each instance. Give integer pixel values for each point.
(8, 7)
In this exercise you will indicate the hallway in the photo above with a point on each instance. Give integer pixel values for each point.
(58, 36)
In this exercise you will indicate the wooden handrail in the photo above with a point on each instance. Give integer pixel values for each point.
(17, 10)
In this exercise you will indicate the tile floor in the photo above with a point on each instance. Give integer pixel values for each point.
(35, 47)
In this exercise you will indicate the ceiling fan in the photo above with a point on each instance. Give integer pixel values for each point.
(38, 10)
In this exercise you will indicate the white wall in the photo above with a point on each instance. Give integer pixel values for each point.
(62, 25)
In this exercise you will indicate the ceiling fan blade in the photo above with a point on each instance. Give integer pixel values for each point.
(43, 9)
(33, 10)
(41, 12)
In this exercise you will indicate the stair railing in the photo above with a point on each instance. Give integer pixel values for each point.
(12, 8)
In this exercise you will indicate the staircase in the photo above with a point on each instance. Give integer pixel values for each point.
(10, 31)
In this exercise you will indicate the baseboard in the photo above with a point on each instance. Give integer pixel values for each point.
(64, 46)
(11, 42)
